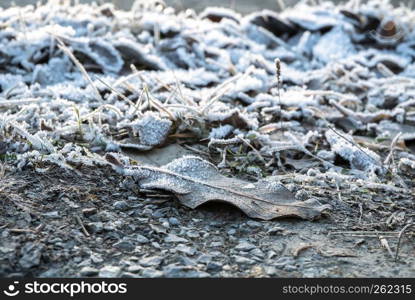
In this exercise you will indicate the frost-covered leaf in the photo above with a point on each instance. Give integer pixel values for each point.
(272, 22)
(152, 130)
(231, 117)
(312, 18)
(333, 46)
(101, 52)
(38, 142)
(196, 181)
(216, 14)
(221, 131)
(132, 53)
(158, 156)
(359, 158)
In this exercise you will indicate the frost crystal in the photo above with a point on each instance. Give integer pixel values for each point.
(221, 132)
(151, 129)
(360, 159)
(135, 78)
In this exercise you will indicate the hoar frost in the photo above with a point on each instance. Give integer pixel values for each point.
(210, 77)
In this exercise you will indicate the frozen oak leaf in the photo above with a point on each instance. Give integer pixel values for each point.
(196, 181)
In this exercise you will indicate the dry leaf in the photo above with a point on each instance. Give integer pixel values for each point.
(196, 181)
(301, 247)
(301, 164)
(157, 156)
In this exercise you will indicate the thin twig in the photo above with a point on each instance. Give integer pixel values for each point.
(400, 238)
(220, 89)
(357, 146)
(40, 227)
(115, 91)
(184, 99)
(365, 233)
(79, 221)
(81, 68)
(278, 73)
(9, 103)
(196, 150)
(385, 244)
(222, 164)
(158, 105)
(392, 148)
(253, 148)
(2, 170)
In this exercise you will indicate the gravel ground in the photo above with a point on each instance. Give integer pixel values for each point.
(129, 234)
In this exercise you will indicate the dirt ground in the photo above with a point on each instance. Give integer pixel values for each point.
(97, 223)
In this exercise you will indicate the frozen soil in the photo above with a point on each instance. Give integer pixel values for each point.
(134, 235)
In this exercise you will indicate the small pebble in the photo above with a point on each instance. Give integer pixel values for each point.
(121, 205)
(244, 246)
(141, 239)
(243, 260)
(172, 238)
(89, 211)
(109, 272)
(152, 261)
(88, 271)
(213, 267)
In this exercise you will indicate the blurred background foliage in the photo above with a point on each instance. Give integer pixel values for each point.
(243, 6)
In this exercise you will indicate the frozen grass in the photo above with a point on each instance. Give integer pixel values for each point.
(266, 88)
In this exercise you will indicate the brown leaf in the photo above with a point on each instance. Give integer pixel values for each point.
(196, 181)
(301, 164)
(300, 248)
(158, 156)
